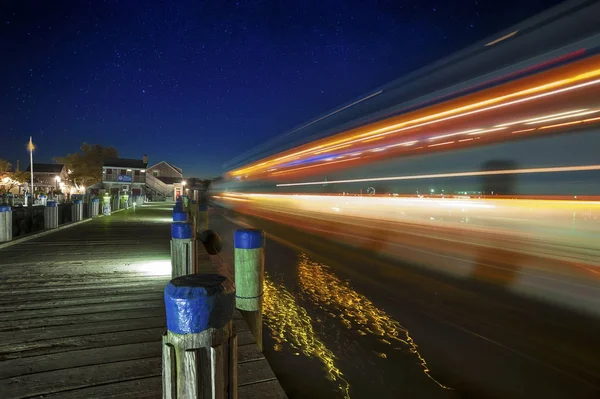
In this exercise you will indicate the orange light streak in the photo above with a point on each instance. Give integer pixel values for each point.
(439, 144)
(313, 166)
(457, 174)
(451, 114)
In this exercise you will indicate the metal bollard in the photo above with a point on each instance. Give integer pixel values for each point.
(183, 250)
(77, 210)
(199, 352)
(5, 223)
(51, 215)
(94, 207)
(249, 258)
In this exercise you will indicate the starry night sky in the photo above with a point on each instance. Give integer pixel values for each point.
(197, 83)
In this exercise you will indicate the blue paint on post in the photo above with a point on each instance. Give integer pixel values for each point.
(179, 216)
(181, 230)
(51, 204)
(95, 199)
(178, 207)
(197, 302)
(248, 238)
(77, 201)
(42, 196)
(5, 208)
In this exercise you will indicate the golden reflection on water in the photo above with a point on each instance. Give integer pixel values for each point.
(338, 299)
(289, 323)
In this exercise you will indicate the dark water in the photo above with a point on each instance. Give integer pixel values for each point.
(341, 323)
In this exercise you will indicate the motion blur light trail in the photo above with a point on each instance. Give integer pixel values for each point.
(290, 323)
(353, 309)
(559, 81)
(547, 249)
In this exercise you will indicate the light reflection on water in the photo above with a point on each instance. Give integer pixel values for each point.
(290, 323)
(355, 311)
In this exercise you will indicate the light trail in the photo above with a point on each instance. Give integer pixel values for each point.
(451, 114)
(457, 174)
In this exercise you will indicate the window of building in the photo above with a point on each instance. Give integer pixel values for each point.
(137, 172)
(155, 173)
(123, 172)
(109, 171)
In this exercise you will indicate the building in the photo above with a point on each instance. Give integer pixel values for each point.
(48, 177)
(124, 176)
(165, 179)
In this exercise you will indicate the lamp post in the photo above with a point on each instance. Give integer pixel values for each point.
(57, 178)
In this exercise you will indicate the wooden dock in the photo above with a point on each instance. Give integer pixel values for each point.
(82, 313)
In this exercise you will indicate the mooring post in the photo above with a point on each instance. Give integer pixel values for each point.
(249, 258)
(51, 215)
(77, 210)
(95, 207)
(124, 201)
(199, 353)
(11, 199)
(115, 203)
(183, 259)
(106, 205)
(5, 223)
(43, 200)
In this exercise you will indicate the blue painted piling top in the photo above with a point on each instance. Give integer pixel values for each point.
(95, 199)
(42, 196)
(197, 302)
(51, 204)
(203, 207)
(248, 238)
(179, 216)
(181, 230)
(10, 195)
(77, 201)
(5, 208)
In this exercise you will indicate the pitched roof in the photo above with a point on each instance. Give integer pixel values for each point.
(46, 168)
(125, 163)
(178, 170)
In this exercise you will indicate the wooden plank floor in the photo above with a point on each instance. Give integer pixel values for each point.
(81, 313)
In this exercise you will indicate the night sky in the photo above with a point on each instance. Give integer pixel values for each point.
(197, 83)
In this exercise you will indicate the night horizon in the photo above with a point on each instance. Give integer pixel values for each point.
(199, 85)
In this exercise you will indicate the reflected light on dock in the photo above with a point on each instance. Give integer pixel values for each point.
(354, 310)
(153, 268)
(290, 323)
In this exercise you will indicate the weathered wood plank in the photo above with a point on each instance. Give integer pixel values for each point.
(45, 347)
(245, 338)
(126, 314)
(85, 376)
(7, 339)
(78, 358)
(147, 388)
(28, 298)
(262, 390)
(81, 309)
(249, 353)
(57, 303)
(256, 371)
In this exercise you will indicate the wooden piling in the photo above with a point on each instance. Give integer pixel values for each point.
(183, 252)
(51, 215)
(5, 223)
(249, 258)
(94, 207)
(200, 345)
(77, 210)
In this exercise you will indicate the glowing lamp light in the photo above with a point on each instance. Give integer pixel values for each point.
(57, 178)
(183, 183)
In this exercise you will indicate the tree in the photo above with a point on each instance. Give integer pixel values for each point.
(8, 179)
(85, 166)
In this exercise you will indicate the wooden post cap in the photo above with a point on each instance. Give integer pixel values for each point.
(248, 239)
(197, 302)
(181, 230)
(179, 216)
